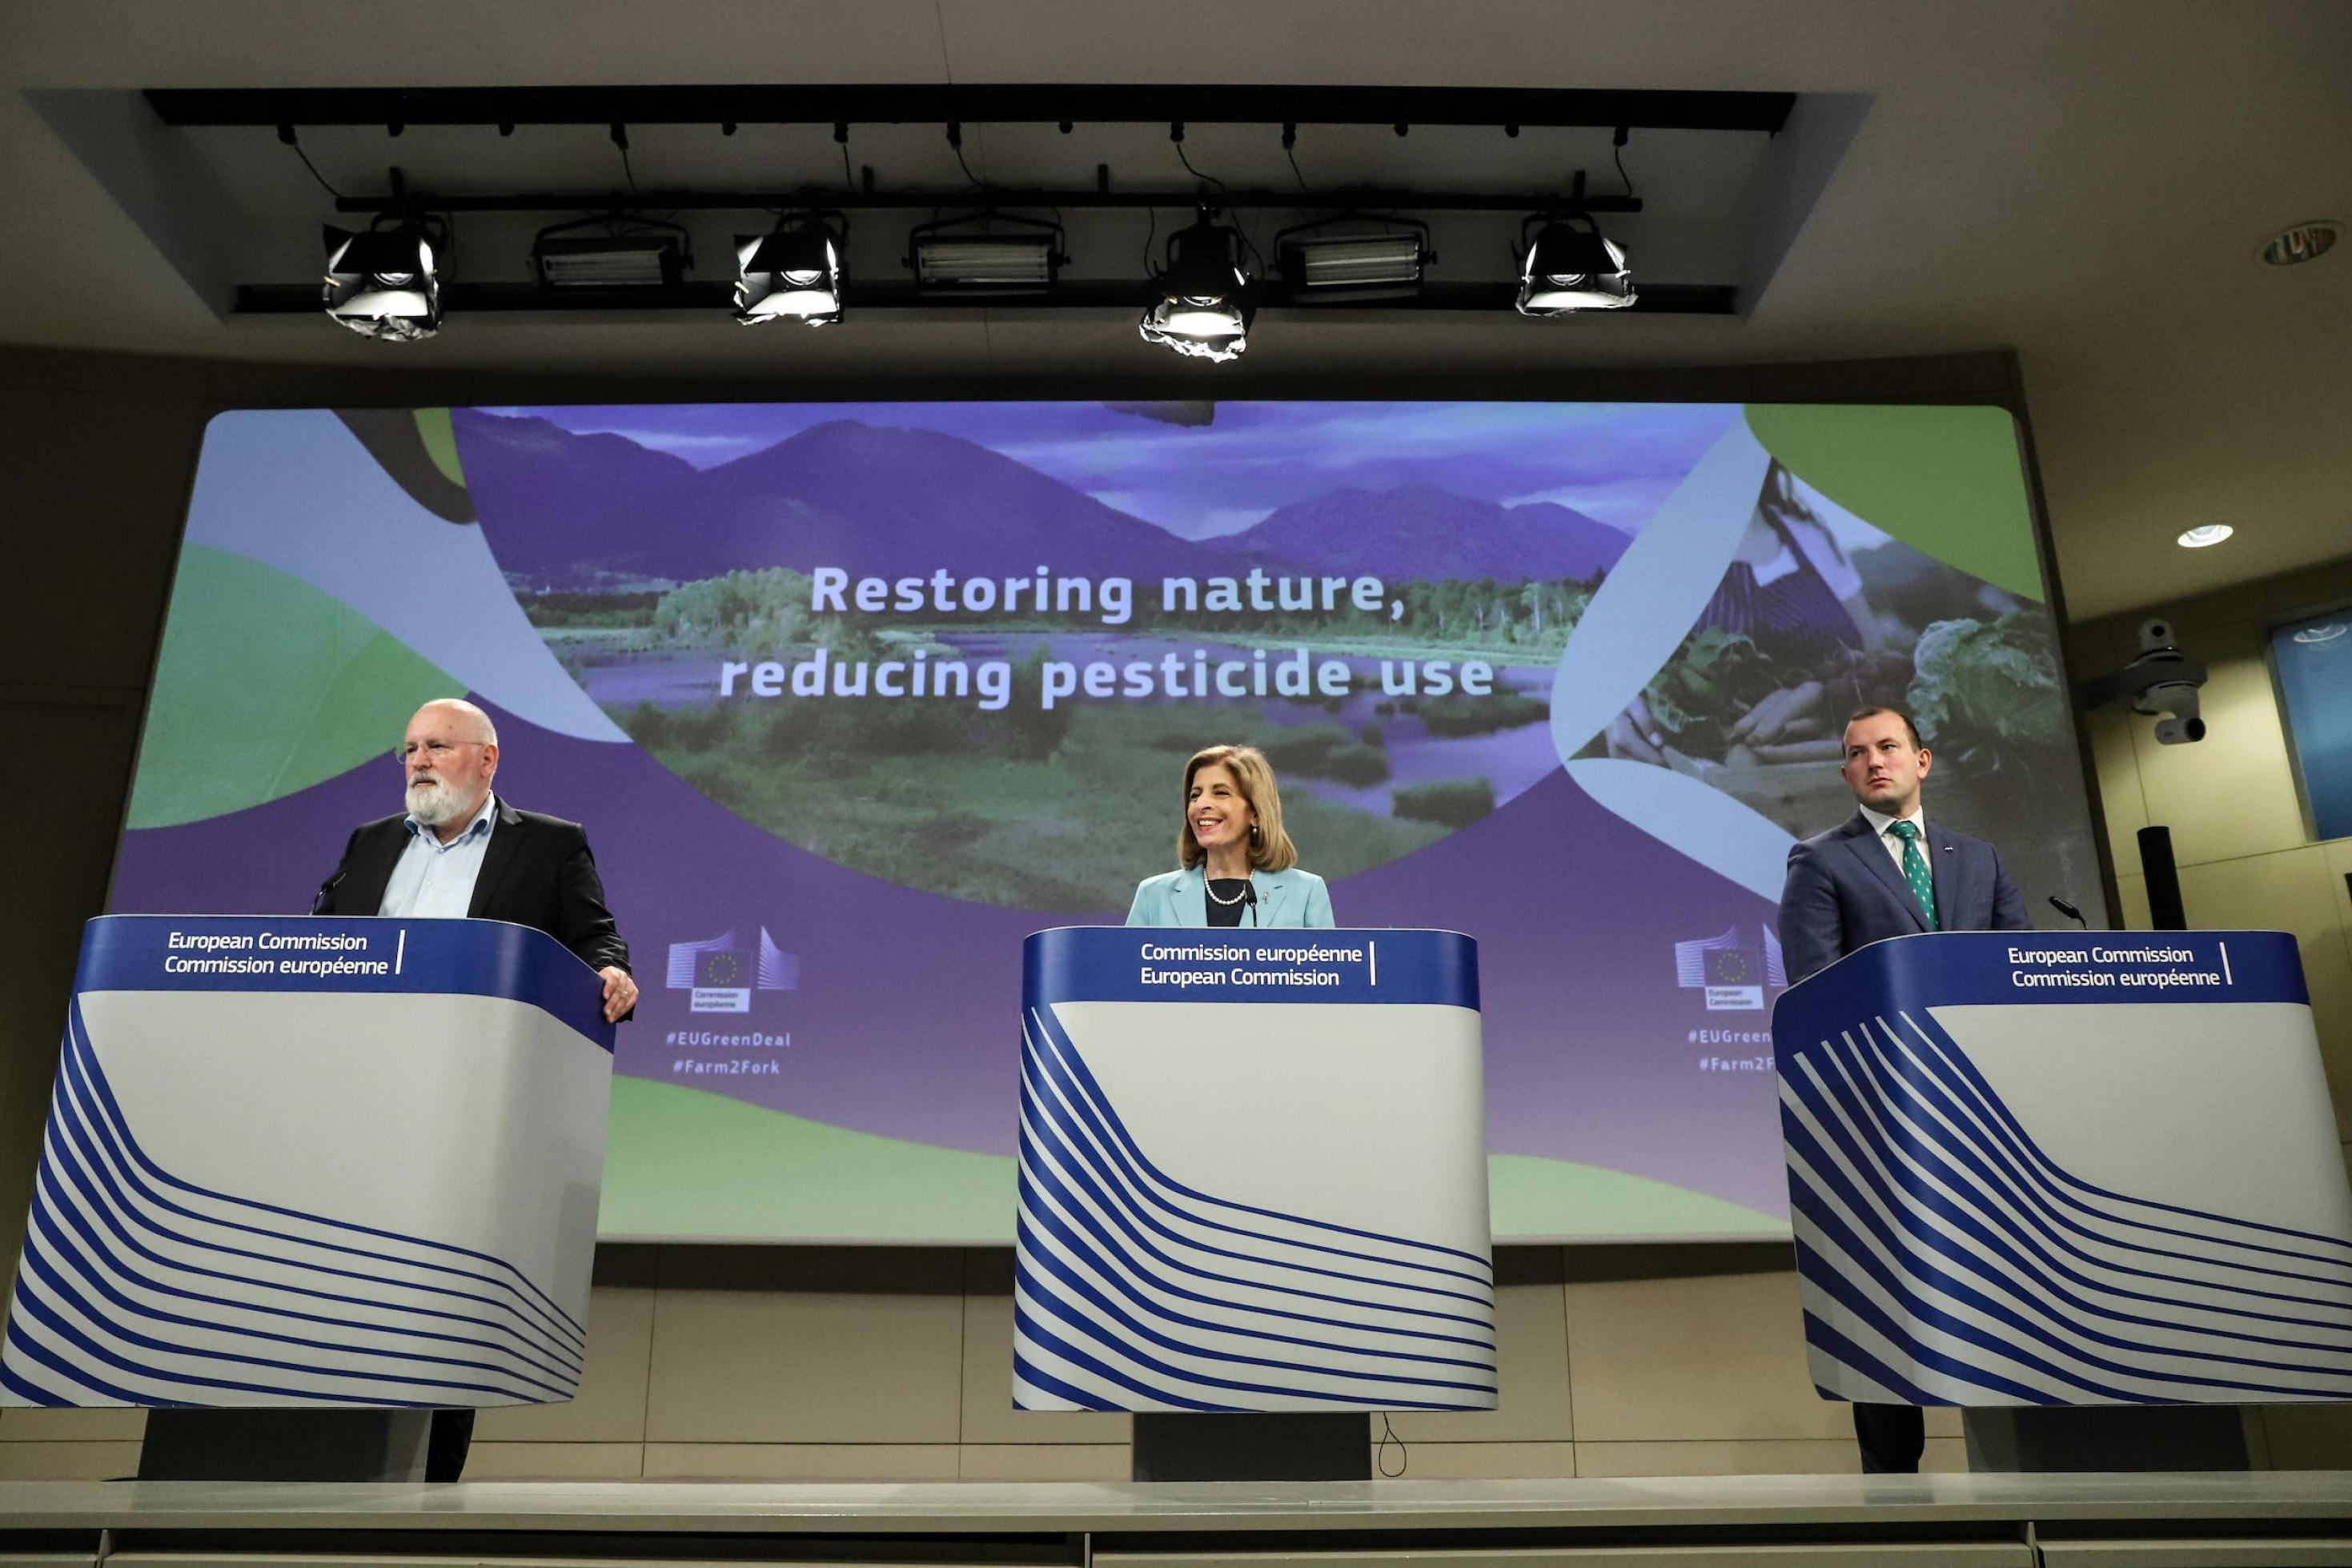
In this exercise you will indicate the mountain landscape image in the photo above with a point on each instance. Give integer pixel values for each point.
(651, 552)
(580, 512)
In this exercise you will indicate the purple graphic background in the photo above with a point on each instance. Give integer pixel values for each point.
(907, 1021)
(903, 1019)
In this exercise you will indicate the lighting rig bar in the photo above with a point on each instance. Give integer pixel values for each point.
(1065, 104)
(274, 299)
(1000, 197)
(1600, 279)
(898, 294)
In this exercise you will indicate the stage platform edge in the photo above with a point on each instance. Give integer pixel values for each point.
(2264, 1517)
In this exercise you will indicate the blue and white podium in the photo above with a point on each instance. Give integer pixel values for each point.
(304, 1163)
(2097, 1168)
(1253, 1173)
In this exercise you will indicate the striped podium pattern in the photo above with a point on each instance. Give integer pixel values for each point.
(1135, 1291)
(1945, 1258)
(139, 1288)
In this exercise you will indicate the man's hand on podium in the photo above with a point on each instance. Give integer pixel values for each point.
(620, 992)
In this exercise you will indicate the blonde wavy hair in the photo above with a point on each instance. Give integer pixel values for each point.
(1270, 847)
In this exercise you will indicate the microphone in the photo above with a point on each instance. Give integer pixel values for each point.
(326, 889)
(2069, 911)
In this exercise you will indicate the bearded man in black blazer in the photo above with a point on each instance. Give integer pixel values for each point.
(460, 851)
(1887, 871)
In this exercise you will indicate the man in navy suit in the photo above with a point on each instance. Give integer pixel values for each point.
(1885, 871)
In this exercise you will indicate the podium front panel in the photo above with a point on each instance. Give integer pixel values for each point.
(1253, 1173)
(305, 1161)
(2041, 1168)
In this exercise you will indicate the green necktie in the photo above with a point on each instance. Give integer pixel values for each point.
(1914, 871)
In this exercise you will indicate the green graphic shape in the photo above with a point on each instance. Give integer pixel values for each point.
(440, 438)
(265, 686)
(1528, 1198)
(684, 1164)
(1949, 481)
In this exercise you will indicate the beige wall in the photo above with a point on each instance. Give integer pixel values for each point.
(2239, 840)
(895, 1363)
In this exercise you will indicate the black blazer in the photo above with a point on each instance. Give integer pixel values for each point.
(536, 872)
(1843, 891)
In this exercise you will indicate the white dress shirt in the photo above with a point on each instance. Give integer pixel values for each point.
(434, 880)
(1883, 825)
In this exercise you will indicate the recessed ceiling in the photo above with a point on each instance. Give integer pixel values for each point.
(1703, 187)
(2089, 184)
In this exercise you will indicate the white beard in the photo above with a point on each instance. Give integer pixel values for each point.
(432, 803)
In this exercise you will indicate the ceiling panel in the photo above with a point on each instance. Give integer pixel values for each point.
(2087, 183)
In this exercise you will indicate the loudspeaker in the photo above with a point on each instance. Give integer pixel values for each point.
(2164, 910)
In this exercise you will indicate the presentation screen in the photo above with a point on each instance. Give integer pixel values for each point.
(852, 697)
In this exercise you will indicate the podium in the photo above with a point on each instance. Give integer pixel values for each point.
(1253, 1174)
(2029, 1169)
(323, 1164)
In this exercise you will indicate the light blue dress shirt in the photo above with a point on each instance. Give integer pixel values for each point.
(434, 880)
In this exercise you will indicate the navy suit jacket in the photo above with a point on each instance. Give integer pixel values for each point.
(1845, 892)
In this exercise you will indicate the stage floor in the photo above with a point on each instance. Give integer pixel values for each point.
(2264, 1517)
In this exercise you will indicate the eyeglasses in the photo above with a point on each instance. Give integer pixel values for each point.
(434, 751)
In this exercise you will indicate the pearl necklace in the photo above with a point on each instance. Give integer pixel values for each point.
(1228, 902)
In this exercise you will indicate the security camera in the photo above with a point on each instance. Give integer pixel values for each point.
(2160, 682)
(2169, 692)
(2181, 725)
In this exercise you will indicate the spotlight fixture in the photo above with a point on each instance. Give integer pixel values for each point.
(2203, 535)
(384, 283)
(1204, 309)
(1346, 266)
(791, 274)
(632, 253)
(948, 261)
(1569, 269)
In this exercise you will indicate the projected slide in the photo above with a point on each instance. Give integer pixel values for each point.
(852, 697)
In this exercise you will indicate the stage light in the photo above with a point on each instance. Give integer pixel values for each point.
(608, 264)
(1569, 269)
(1389, 265)
(383, 283)
(634, 253)
(947, 261)
(1204, 309)
(1353, 266)
(793, 275)
(2204, 535)
(976, 264)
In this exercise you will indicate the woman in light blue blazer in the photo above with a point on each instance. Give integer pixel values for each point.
(1235, 866)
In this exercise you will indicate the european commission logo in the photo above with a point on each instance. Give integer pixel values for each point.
(720, 977)
(1732, 972)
